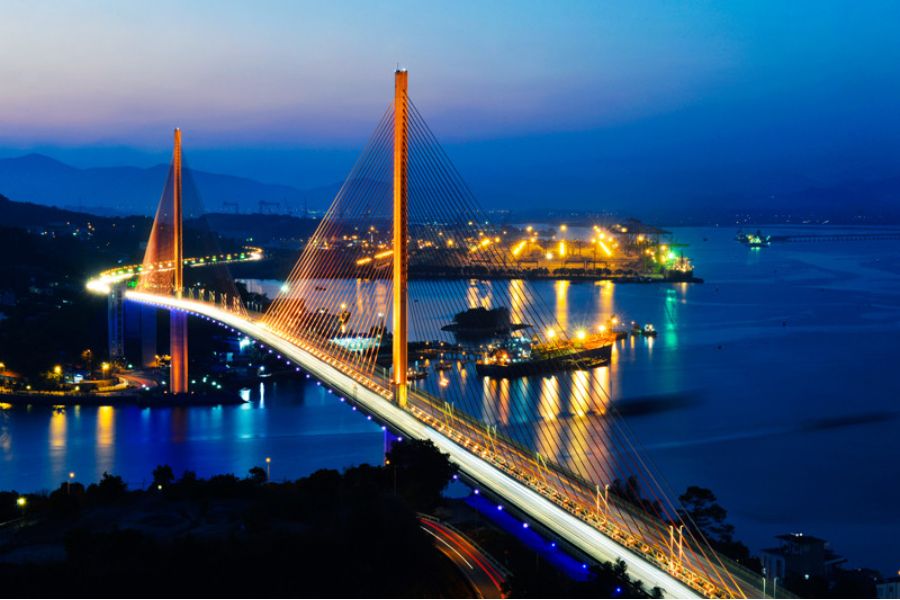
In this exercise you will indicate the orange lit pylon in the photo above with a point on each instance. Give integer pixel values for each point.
(401, 259)
(178, 334)
(178, 243)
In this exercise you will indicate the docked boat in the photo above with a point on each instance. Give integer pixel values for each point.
(442, 366)
(520, 357)
(414, 373)
(649, 330)
(615, 327)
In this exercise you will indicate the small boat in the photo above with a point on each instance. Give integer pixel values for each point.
(414, 374)
(636, 328)
(442, 366)
(754, 240)
(615, 327)
(649, 330)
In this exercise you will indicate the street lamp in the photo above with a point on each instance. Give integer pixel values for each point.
(268, 468)
(21, 501)
(69, 482)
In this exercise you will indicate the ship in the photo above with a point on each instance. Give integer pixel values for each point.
(754, 240)
(520, 357)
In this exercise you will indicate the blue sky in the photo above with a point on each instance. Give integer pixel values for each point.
(579, 103)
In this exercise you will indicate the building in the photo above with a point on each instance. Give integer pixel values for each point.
(888, 587)
(799, 555)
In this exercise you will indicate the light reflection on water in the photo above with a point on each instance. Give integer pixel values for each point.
(730, 395)
(301, 426)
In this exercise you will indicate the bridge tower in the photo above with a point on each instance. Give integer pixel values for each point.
(401, 237)
(178, 375)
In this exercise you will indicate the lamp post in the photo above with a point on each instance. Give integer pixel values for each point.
(69, 482)
(268, 468)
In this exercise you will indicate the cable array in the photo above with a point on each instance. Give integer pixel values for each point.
(559, 433)
(201, 247)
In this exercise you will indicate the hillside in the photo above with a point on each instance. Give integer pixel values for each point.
(132, 190)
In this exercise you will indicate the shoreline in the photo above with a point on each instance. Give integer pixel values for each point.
(139, 400)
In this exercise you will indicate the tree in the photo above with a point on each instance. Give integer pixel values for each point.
(707, 516)
(163, 476)
(419, 472)
(258, 475)
(111, 487)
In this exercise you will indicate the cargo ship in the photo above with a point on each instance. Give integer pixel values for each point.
(520, 357)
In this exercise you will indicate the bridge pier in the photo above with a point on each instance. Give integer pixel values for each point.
(178, 342)
(147, 324)
(115, 323)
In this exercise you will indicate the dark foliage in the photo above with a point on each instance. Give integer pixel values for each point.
(327, 535)
(419, 472)
(701, 509)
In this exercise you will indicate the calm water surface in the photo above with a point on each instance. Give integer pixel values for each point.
(773, 384)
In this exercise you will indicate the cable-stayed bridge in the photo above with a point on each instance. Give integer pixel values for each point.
(550, 446)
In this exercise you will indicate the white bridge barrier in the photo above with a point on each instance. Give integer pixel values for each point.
(538, 508)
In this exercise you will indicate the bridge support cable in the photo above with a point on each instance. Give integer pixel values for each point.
(316, 302)
(628, 465)
(559, 434)
(179, 230)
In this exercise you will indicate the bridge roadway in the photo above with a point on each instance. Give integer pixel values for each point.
(484, 470)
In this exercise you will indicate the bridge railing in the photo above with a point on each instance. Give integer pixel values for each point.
(644, 535)
(614, 517)
(571, 492)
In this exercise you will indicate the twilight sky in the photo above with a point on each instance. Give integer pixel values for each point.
(578, 104)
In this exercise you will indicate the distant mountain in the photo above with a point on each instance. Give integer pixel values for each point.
(133, 190)
(857, 202)
(277, 230)
(28, 215)
(876, 198)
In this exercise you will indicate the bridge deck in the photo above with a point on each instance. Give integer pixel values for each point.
(499, 472)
